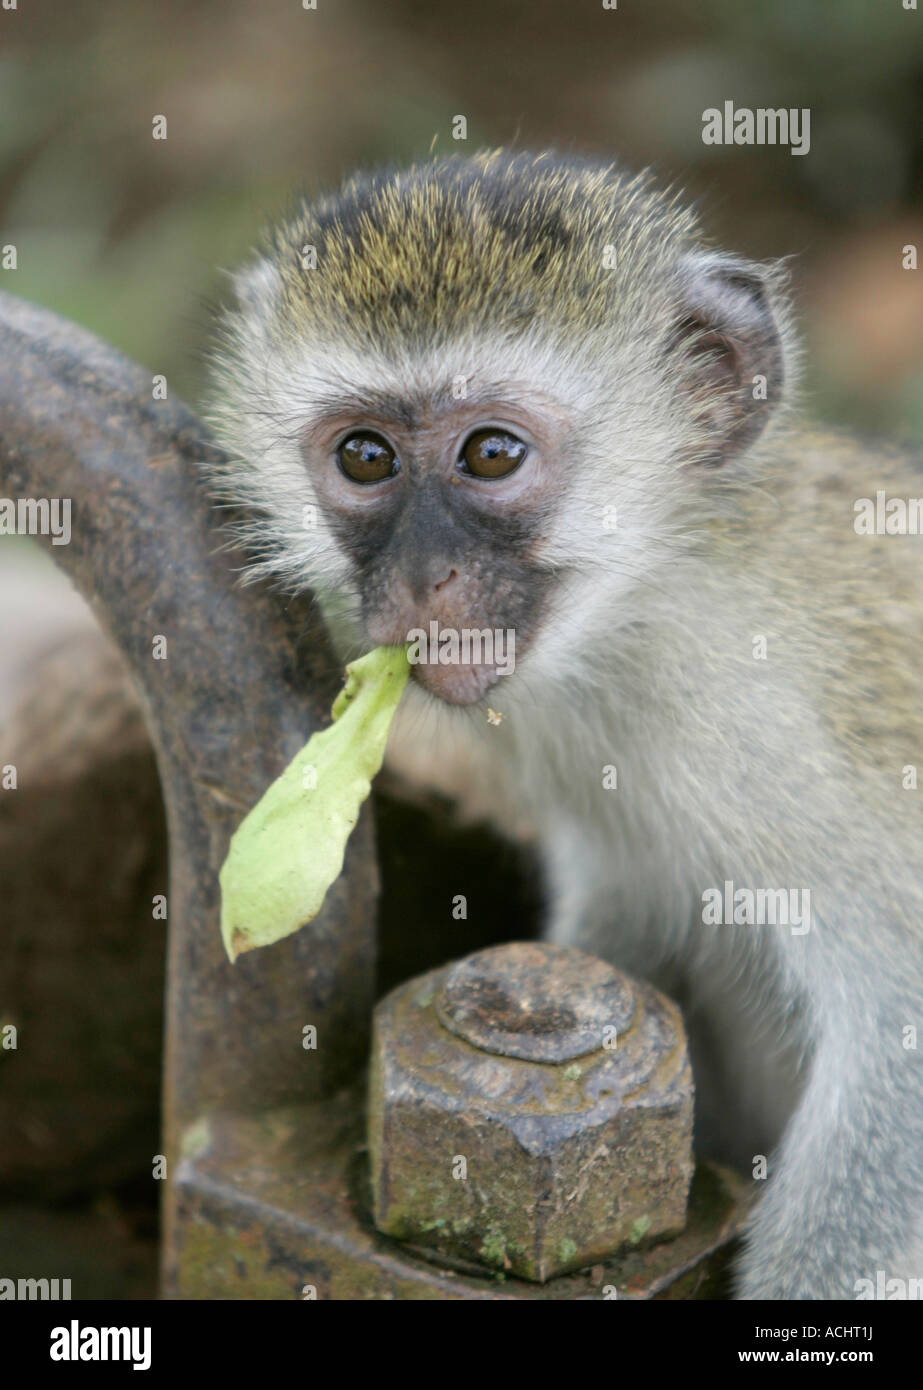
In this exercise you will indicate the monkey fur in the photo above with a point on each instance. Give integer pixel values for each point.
(692, 605)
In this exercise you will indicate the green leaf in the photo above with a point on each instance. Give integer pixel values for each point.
(289, 849)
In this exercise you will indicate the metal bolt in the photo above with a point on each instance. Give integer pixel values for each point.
(530, 1109)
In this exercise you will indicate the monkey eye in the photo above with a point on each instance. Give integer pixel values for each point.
(492, 454)
(367, 458)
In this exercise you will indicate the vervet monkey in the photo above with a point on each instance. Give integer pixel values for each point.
(523, 394)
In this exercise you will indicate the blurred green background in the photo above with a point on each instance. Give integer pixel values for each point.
(130, 235)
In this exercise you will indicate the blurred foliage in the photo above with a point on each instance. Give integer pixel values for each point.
(263, 99)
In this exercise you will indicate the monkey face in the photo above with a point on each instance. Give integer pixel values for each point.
(493, 396)
(438, 504)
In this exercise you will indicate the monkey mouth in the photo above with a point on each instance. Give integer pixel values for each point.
(456, 684)
(455, 664)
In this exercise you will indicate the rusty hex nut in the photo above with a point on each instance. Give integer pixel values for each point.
(530, 1109)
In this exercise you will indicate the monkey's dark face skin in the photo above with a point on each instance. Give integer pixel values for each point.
(439, 505)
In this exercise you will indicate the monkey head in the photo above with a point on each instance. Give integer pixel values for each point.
(494, 395)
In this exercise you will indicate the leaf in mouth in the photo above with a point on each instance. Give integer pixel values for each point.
(289, 849)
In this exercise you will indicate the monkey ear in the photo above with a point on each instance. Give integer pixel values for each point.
(256, 288)
(730, 351)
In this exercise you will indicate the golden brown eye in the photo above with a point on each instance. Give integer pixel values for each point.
(492, 454)
(367, 458)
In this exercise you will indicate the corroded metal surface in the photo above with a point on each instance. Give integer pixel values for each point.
(277, 1207)
(536, 1001)
(246, 680)
(529, 1166)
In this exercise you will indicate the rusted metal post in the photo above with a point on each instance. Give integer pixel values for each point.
(245, 680)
